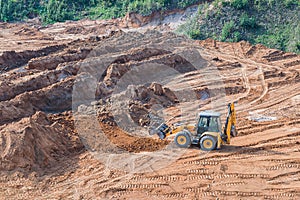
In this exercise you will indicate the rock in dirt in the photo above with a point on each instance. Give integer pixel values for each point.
(157, 88)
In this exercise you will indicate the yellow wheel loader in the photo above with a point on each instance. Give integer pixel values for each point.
(207, 133)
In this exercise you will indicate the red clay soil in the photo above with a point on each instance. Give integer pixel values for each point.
(42, 156)
(130, 143)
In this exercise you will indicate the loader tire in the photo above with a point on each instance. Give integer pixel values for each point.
(183, 140)
(208, 143)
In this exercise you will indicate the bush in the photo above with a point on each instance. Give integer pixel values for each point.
(291, 3)
(227, 30)
(191, 28)
(236, 36)
(275, 40)
(239, 4)
(248, 22)
(195, 34)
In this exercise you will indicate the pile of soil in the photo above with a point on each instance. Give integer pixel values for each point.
(130, 143)
(36, 143)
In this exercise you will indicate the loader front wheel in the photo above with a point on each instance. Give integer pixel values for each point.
(208, 143)
(183, 140)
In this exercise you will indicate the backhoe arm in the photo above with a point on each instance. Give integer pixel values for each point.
(230, 124)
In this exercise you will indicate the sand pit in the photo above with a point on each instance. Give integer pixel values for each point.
(43, 156)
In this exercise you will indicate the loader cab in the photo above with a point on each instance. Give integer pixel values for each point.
(208, 122)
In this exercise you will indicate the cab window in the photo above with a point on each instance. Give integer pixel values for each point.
(203, 122)
(213, 124)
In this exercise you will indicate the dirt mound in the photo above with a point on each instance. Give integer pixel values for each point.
(75, 30)
(28, 31)
(54, 98)
(141, 99)
(97, 29)
(35, 143)
(13, 59)
(145, 98)
(51, 62)
(130, 143)
(20, 83)
(124, 63)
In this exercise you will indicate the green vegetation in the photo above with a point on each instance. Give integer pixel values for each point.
(273, 23)
(227, 30)
(248, 22)
(239, 4)
(52, 11)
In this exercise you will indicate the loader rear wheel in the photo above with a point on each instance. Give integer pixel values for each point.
(183, 140)
(208, 143)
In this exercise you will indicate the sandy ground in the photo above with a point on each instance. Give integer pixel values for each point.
(261, 163)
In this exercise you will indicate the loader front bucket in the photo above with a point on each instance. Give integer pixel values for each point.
(162, 130)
